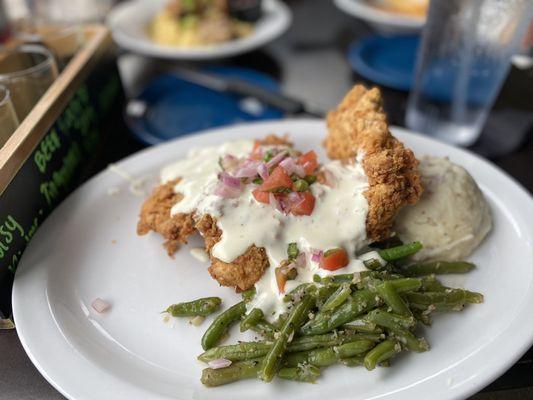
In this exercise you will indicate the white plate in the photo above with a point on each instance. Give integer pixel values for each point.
(382, 20)
(129, 21)
(129, 353)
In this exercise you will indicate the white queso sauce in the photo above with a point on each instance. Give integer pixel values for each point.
(338, 219)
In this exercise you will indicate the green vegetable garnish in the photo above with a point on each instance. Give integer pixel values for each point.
(310, 179)
(258, 181)
(269, 155)
(300, 185)
(292, 251)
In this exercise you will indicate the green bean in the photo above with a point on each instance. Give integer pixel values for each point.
(409, 340)
(330, 355)
(220, 325)
(251, 319)
(235, 372)
(252, 350)
(299, 291)
(358, 303)
(341, 278)
(236, 352)
(305, 343)
(382, 352)
(406, 284)
(391, 297)
(389, 320)
(248, 295)
(432, 284)
(449, 297)
(202, 307)
(304, 373)
(273, 358)
(337, 298)
(404, 250)
(422, 316)
(438, 267)
(355, 361)
(374, 264)
(362, 325)
(264, 328)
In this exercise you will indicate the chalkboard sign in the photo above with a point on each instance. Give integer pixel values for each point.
(55, 167)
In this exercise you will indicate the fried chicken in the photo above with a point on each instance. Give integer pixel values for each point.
(242, 272)
(359, 124)
(155, 216)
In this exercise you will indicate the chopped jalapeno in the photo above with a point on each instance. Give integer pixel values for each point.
(301, 185)
(310, 179)
(292, 251)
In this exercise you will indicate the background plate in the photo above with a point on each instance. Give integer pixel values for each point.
(129, 21)
(88, 248)
(382, 20)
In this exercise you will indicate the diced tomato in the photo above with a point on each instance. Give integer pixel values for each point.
(309, 162)
(334, 259)
(281, 279)
(256, 151)
(278, 179)
(301, 203)
(260, 196)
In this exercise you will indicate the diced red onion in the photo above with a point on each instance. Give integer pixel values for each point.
(315, 255)
(229, 162)
(273, 201)
(219, 363)
(285, 270)
(277, 159)
(262, 170)
(329, 178)
(295, 199)
(247, 170)
(300, 260)
(229, 180)
(226, 191)
(289, 165)
(284, 205)
(100, 305)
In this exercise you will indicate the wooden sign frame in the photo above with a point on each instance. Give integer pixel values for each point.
(56, 146)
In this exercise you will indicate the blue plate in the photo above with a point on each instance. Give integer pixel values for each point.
(170, 107)
(387, 61)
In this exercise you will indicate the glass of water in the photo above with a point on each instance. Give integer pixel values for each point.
(8, 119)
(27, 71)
(462, 62)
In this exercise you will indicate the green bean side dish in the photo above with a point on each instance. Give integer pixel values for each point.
(361, 319)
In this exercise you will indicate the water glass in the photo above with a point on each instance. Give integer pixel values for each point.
(463, 59)
(8, 119)
(63, 39)
(27, 71)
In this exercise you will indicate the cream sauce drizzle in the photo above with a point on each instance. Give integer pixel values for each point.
(338, 219)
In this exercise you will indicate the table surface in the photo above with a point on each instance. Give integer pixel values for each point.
(310, 63)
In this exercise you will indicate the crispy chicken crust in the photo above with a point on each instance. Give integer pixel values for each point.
(155, 216)
(359, 124)
(242, 272)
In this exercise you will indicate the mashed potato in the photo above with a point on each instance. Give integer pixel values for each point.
(451, 218)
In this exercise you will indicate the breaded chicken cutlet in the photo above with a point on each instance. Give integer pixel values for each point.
(358, 124)
(155, 216)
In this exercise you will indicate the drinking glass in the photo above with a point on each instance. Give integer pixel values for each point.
(63, 39)
(8, 119)
(27, 71)
(462, 61)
